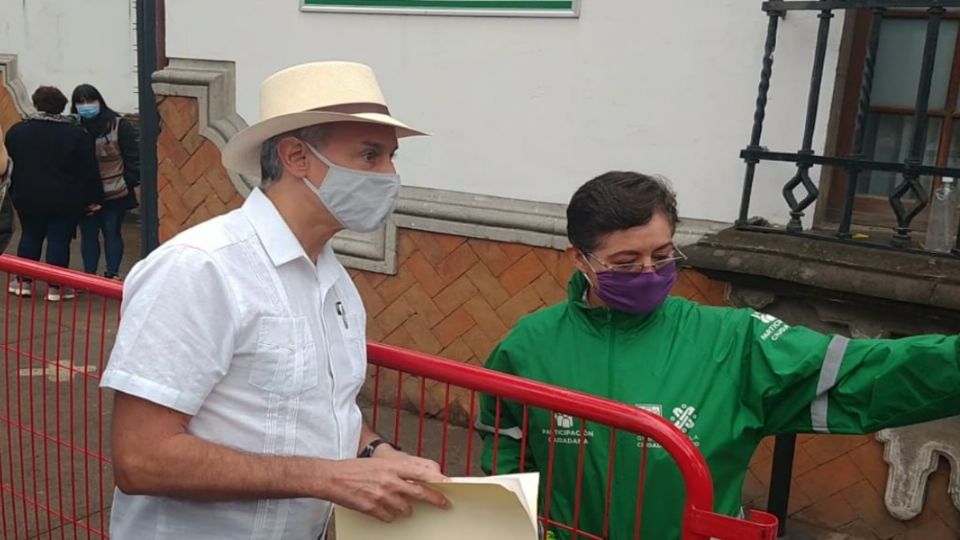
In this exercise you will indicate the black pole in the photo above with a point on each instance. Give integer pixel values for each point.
(780, 476)
(759, 112)
(911, 181)
(149, 124)
(813, 105)
(816, 80)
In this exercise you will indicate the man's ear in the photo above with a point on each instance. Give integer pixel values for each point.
(576, 257)
(294, 156)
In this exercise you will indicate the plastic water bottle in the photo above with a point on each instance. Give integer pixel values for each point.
(942, 228)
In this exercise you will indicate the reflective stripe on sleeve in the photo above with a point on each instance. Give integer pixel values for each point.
(828, 379)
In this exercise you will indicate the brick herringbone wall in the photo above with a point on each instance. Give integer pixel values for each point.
(839, 483)
(192, 184)
(9, 115)
(456, 297)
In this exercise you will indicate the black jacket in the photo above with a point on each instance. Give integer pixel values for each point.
(128, 137)
(55, 167)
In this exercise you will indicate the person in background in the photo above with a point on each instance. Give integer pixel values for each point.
(118, 156)
(6, 205)
(54, 183)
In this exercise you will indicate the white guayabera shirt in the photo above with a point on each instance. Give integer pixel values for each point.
(231, 323)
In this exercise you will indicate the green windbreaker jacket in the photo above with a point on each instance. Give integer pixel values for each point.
(726, 377)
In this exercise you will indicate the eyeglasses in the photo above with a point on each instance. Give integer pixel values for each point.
(660, 265)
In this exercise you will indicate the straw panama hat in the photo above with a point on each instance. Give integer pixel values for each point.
(307, 95)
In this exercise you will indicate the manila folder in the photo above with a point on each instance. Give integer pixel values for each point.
(481, 508)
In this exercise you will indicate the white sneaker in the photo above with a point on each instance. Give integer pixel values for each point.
(56, 294)
(20, 288)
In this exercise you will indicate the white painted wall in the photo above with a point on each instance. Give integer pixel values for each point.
(532, 108)
(66, 43)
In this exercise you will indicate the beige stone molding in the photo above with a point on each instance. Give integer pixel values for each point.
(10, 78)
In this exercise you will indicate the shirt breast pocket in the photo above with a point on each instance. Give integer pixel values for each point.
(285, 361)
(356, 341)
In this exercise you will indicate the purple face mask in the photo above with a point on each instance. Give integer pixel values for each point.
(635, 292)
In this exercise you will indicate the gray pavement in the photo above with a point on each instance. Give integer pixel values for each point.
(131, 238)
(55, 481)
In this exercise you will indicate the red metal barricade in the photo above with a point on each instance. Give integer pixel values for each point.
(426, 395)
(55, 475)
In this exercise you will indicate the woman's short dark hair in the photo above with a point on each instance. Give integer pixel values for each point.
(617, 201)
(49, 99)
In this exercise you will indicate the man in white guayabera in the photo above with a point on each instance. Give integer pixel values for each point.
(241, 345)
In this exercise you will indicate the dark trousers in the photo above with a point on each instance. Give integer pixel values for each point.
(108, 221)
(58, 231)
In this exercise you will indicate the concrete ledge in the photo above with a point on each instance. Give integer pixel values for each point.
(839, 267)
(482, 216)
(505, 220)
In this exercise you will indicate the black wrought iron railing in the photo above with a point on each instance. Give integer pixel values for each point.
(909, 197)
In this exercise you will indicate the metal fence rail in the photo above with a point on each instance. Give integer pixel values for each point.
(437, 392)
(855, 163)
(55, 475)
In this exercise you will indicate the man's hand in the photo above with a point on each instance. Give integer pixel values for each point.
(384, 488)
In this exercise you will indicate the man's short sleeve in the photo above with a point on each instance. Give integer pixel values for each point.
(177, 330)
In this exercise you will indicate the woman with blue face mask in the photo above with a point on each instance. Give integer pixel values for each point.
(118, 156)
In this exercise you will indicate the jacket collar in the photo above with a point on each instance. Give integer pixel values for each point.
(56, 118)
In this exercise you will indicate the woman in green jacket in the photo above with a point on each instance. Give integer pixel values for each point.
(726, 377)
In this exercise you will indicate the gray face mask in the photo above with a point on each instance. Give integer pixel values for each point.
(360, 200)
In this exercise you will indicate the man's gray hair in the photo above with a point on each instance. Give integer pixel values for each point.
(270, 166)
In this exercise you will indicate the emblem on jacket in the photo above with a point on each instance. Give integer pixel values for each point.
(684, 417)
(565, 431)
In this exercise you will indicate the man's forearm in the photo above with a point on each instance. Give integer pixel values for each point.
(187, 467)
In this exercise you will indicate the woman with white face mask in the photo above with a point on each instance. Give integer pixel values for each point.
(118, 156)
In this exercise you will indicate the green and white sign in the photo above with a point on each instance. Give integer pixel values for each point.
(521, 8)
